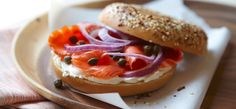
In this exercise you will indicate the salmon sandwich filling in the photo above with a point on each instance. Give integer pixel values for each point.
(104, 55)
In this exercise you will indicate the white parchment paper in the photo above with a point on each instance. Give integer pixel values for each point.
(193, 72)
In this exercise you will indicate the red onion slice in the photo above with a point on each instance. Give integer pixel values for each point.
(96, 41)
(92, 47)
(151, 68)
(104, 35)
(123, 35)
(146, 58)
(94, 33)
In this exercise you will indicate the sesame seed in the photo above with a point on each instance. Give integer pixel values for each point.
(167, 33)
(163, 38)
(176, 44)
(186, 38)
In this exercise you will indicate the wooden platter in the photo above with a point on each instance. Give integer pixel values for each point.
(31, 55)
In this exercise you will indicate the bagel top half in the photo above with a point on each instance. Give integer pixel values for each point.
(154, 27)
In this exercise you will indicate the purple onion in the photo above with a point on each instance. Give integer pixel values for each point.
(140, 56)
(94, 33)
(93, 40)
(123, 35)
(104, 35)
(92, 47)
(151, 68)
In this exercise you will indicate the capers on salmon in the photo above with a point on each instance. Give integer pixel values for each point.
(73, 39)
(121, 62)
(67, 59)
(116, 58)
(93, 61)
(155, 49)
(147, 50)
(81, 42)
(58, 84)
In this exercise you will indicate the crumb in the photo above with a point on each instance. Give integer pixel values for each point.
(165, 106)
(135, 102)
(119, 25)
(144, 102)
(174, 95)
(192, 93)
(181, 88)
(147, 103)
(38, 19)
(141, 96)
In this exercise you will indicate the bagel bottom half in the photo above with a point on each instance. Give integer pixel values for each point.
(124, 89)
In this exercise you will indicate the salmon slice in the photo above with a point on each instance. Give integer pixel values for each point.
(105, 71)
(106, 68)
(171, 57)
(59, 38)
(135, 63)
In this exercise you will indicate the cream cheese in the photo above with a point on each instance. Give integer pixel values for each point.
(72, 71)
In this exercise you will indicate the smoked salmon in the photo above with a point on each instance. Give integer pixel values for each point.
(106, 67)
(59, 38)
(135, 63)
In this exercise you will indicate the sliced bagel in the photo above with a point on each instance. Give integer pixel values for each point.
(154, 27)
(124, 89)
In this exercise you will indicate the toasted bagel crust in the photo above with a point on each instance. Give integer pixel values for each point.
(124, 89)
(154, 27)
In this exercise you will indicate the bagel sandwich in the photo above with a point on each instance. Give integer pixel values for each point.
(133, 51)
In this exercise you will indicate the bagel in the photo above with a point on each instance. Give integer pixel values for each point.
(154, 27)
(149, 47)
(124, 89)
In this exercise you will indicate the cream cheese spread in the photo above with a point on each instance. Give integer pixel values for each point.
(73, 71)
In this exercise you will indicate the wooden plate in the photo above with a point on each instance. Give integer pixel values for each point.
(31, 54)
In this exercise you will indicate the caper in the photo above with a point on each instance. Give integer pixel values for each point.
(93, 61)
(58, 84)
(67, 59)
(116, 58)
(81, 42)
(73, 39)
(147, 50)
(155, 49)
(122, 62)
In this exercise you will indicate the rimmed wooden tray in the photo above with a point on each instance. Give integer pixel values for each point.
(31, 54)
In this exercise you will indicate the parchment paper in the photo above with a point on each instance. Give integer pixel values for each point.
(193, 73)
